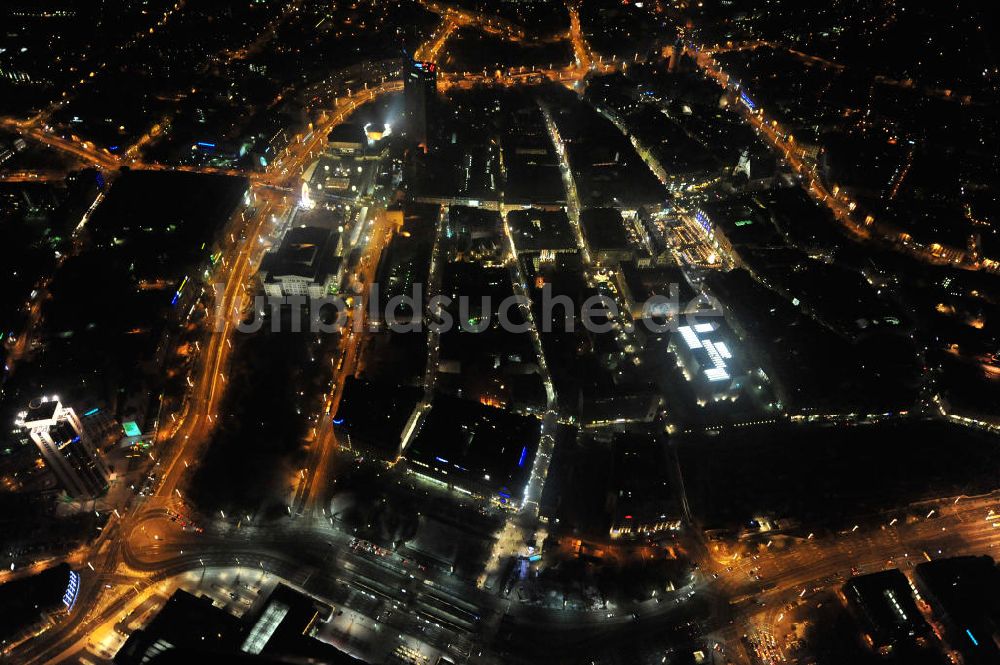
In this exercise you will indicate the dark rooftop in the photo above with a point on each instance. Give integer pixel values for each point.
(884, 604)
(604, 229)
(537, 230)
(23, 601)
(306, 252)
(473, 446)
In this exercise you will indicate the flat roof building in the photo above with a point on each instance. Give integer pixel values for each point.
(964, 595)
(661, 292)
(348, 138)
(336, 179)
(372, 417)
(404, 266)
(606, 237)
(544, 231)
(704, 353)
(475, 448)
(191, 628)
(308, 263)
(641, 501)
(619, 409)
(185, 621)
(884, 605)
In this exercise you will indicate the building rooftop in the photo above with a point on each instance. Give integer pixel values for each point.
(375, 414)
(474, 446)
(707, 342)
(191, 629)
(282, 627)
(604, 230)
(41, 412)
(537, 230)
(885, 606)
(309, 252)
(964, 592)
(185, 621)
(643, 499)
(23, 601)
(348, 133)
(645, 283)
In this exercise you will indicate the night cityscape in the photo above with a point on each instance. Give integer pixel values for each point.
(499, 332)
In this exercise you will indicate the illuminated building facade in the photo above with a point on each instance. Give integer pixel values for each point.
(66, 448)
(308, 263)
(703, 351)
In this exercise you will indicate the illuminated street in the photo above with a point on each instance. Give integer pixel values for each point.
(454, 331)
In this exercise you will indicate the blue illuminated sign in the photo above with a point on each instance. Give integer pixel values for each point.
(703, 219)
(72, 590)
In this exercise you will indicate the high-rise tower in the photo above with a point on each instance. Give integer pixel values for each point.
(676, 53)
(66, 447)
(419, 94)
